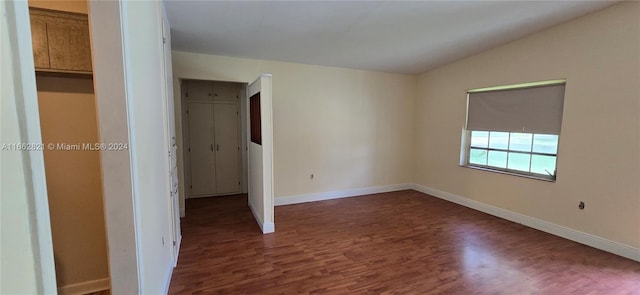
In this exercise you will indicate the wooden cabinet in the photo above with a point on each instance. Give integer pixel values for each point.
(60, 41)
(39, 37)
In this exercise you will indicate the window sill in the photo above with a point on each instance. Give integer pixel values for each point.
(509, 173)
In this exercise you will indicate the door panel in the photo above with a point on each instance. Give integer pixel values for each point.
(39, 37)
(201, 153)
(225, 91)
(69, 47)
(200, 90)
(227, 146)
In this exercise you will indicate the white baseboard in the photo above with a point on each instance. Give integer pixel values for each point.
(265, 227)
(539, 224)
(178, 244)
(268, 227)
(296, 199)
(167, 281)
(85, 287)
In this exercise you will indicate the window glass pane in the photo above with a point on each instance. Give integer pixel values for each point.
(519, 161)
(545, 143)
(543, 164)
(480, 139)
(520, 142)
(497, 159)
(478, 157)
(499, 140)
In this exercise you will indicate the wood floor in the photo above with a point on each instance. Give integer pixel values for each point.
(393, 243)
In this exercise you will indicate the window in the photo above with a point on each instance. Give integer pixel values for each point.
(514, 129)
(255, 119)
(522, 152)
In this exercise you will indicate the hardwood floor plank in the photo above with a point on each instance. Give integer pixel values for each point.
(393, 243)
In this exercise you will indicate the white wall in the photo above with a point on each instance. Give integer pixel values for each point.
(599, 152)
(350, 128)
(256, 187)
(26, 251)
(142, 40)
(128, 65)
(111, 103)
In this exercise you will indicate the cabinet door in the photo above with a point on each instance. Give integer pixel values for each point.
(198, 90)
(227, 148)
(223, 91)
(39, 38)
(69, 46)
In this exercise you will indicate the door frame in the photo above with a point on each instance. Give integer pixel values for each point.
(170, 139)
(32, 193)
(186, 160)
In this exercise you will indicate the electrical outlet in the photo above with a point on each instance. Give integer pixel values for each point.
(581, 206)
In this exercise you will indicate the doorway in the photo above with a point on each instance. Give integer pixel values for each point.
(215, 160)
(69, 129)
(203, 104)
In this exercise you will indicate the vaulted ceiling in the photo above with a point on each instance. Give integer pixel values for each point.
(392, 36)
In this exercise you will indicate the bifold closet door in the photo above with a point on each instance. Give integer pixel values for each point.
(227, 146)
(201, 149)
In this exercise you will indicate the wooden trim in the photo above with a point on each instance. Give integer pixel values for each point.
(58, 13)
(86, 287)
(64, 73)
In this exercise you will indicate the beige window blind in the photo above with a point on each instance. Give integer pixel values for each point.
(529, 110)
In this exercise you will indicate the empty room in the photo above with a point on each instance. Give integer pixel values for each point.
(347, 147)
(487, 137)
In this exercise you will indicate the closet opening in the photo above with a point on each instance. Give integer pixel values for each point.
(215, 139)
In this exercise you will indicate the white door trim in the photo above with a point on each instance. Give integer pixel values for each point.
(170, 140)
(19, 61)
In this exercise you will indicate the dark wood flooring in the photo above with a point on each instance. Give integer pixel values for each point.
(394, 243)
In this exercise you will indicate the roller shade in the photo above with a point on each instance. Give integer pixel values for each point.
(528, 110)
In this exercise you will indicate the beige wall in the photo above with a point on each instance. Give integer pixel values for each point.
(350, 128)
(111, 102)
(599, 153)
(68, 115)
